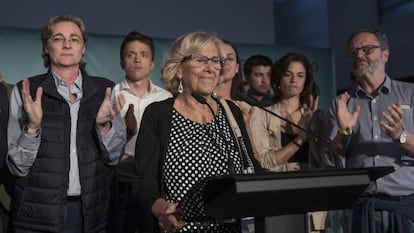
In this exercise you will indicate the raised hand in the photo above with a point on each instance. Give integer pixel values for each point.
(346, 120)
(393, 120)
(32, 108)
(314, 122)
(314, 103)
(246, 110)
(307, 117)
(108, 111)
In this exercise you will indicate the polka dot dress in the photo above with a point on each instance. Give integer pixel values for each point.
(195, 152)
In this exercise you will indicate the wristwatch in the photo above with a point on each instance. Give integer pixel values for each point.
(403, 137)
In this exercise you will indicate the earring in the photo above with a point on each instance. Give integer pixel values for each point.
(214, 94)
(180, 88)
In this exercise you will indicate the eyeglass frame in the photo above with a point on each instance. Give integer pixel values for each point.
(60, 39)
(366, 49)
(205, 60)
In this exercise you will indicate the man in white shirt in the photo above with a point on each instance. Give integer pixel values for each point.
(137, 60)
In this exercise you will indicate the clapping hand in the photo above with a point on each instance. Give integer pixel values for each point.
(393, 120)
(33, 108)
(307, 116)
(108, 111)
(130, 122)
(346, 120)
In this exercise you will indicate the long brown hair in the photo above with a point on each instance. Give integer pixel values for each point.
(280, 67)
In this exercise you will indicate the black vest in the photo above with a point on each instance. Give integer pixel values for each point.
(39, 198)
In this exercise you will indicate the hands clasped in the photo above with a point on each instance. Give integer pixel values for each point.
(169, 215)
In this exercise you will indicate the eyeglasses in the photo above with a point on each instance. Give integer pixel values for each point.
(366, 49)
(202, 61)
(62, 40)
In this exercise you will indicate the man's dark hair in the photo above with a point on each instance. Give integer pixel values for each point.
(253, 61)
(137, 36)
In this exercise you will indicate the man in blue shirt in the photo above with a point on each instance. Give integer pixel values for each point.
(372, 125)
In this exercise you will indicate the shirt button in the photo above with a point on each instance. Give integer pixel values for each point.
(375, 118)
(377, 156)
(376, 137)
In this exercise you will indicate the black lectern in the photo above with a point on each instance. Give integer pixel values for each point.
(283, 193)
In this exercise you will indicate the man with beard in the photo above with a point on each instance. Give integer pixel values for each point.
(372, 125)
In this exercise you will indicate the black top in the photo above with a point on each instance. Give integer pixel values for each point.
(301, 156)
(195, 152)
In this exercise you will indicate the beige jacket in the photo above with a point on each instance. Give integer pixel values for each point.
(266, 132)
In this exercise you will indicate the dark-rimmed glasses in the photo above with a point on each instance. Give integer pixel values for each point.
(202, 61)
(366, 49)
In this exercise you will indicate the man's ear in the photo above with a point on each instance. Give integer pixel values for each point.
(385, 55)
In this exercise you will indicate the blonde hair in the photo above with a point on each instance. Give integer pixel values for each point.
(184, 46)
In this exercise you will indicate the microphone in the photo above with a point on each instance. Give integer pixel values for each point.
(255, 103)
(202, 100)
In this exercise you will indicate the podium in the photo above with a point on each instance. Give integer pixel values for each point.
(284, 193)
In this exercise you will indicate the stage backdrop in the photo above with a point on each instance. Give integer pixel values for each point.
(20, 57)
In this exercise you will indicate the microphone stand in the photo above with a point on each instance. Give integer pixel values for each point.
(244, 156)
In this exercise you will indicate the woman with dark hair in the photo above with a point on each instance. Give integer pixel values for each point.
(232, 73)
(281, 146)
